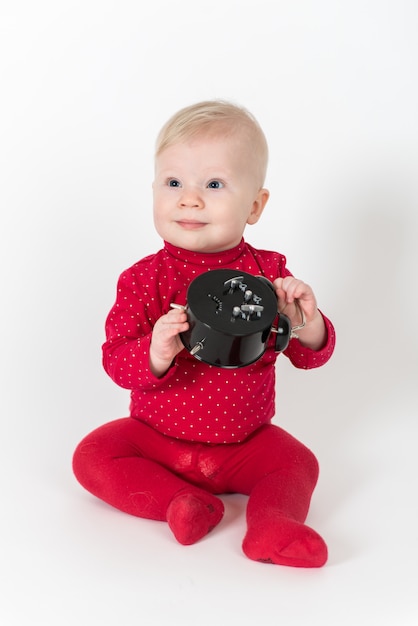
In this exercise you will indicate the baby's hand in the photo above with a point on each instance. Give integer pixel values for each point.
(165, 341)
(290, 289)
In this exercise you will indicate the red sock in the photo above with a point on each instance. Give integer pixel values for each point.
(192, 515)
(276, 511)
(284, 541)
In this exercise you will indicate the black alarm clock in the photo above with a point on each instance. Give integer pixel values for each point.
(231, 316)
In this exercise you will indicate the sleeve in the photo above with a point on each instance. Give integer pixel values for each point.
(306, 358)
(128, 330)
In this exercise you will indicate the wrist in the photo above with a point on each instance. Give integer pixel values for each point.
(314, 334)
(159, 366)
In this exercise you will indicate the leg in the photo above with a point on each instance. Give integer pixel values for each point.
(123, 463)
(276, 533)
(279, 473)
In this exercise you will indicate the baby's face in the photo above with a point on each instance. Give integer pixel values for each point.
(205, 192)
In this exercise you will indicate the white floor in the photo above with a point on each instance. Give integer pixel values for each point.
(66, 556)
(85, 86)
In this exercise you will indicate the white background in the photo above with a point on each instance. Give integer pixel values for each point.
(85, 87)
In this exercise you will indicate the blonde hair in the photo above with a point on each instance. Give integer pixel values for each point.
(214, 118)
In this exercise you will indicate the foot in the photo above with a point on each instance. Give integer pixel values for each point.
(285, 542)
(191, 516)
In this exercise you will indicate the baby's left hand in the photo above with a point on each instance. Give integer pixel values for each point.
(290, 289)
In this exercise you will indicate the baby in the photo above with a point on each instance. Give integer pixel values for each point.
(196, 431)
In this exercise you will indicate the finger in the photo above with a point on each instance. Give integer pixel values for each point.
(175, 315)
(296, 290)
(285, 288)
(171, 330)
(279, 288)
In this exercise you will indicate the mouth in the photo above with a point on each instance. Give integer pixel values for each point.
(191, 224)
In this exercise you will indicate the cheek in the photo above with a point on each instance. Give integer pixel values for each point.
(161, 204)
(162, 195)
(158, 215)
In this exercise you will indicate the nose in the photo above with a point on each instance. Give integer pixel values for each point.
(191, 198)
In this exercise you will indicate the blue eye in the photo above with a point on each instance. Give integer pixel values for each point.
(215, 184)
(173, 182)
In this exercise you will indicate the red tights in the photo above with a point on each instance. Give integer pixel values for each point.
(139, 471)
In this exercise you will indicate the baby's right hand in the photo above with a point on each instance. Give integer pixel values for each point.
(165, 341)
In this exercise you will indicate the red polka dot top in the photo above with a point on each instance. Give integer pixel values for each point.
(193, 400)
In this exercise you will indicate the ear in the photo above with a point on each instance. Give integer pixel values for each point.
(258, 206)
